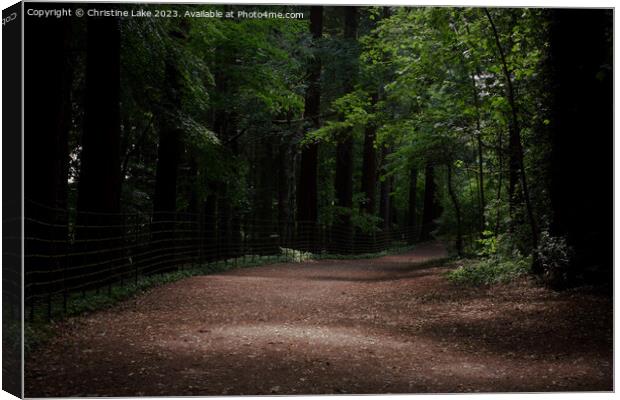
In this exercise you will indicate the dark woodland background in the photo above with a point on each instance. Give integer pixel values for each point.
(151, 144)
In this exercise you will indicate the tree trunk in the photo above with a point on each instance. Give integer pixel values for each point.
(47, 122)
(99, 186)
(342, 231)
(480, 153)
(431, 209)
(166, 175)
(412, 220)
(581, 72)
(264, 228)
(100, 180)
(500, 174)
(307, 200)
(369, 166)
(457, 212)
(210, 224)
(369, 183)
(517, 168)
(286, 185)
(385, 190)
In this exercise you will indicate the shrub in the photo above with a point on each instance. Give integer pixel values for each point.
(554, 256)
(490, 271)
(501, 263)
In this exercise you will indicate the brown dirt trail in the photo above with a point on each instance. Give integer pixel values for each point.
(387, 325)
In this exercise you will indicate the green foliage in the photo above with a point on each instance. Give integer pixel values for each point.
(430, 81)
(355, 111)
(490, 271)
(488, 244)
(501, 262)
(555, 257)
(292, 255)
(365, 222)
(397, 248)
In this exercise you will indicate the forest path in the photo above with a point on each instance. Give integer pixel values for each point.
(387, 325)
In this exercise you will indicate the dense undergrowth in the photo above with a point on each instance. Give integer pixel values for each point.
(489, 271)
(497, 260)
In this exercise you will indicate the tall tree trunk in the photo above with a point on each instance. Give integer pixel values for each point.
(47, 121)
(517, 168)
(369, 166)
(164, 200)
(210, 223)
(480, 152)
(229, 238)
(99, 186)
(478, 136)
(500, 174)
(100, 180)
(285, 167)
(192, 217)
(581, 72)
(385, 208)
(369, 183)
(307, 199)
(432, 209)
(264, 228)
(343, 229)
(224, 222)
(166, 174)
(413, 189)
(457, 212)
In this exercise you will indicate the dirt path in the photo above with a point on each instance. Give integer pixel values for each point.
(384, 325)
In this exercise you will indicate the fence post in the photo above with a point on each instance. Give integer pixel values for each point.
(201, 243)
(136, 246)
(64, 275)
(124, 247)
(49, 305)
(244, 245)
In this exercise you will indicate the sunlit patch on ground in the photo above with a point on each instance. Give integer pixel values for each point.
(373, 326)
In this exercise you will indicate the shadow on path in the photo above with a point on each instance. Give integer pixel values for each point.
(386, 325)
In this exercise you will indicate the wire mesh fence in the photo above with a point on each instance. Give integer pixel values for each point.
(69, 256)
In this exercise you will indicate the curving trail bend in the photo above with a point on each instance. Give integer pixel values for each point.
(386, 325)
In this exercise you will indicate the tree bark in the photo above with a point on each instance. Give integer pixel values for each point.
(369, 166)
(210, 223)
(264, 228)
(166, 174)
(342, 231)
(431, 209)
(581, 129)
(99, 186)
(476, 98)
(100, 180)
(47, 122)
(457, 212)
(412, 220)
(385, 208)
(500, 174)
(286, 184)
(307, 199)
